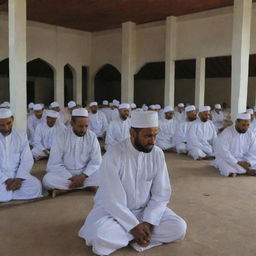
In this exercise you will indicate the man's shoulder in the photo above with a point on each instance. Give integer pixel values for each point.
(19, 134)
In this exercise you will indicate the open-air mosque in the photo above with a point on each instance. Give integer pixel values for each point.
(148, 52)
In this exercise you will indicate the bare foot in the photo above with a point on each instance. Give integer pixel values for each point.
(91, 189)
(233, 175)
(251, 172)
(56, 192)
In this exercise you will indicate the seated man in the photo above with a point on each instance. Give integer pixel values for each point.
(33, 121)
(131, 204)
(179, 115)
(181, 135)
(75, 157)
(16, 182)
(67, 112)
(218, 117)
(56, 107)
(167, 128)
(201, 136)
(105, 109)
(44, 135)
(98, 121)
(235, 149)
(119, 128)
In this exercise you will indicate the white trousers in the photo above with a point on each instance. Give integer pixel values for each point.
(197, 153)
(54, 180)
(31, 188)
(181, 148)
(106, 235)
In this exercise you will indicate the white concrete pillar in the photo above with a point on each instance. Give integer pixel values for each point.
(170, 55)
(59, 85)
(77, 85)
(240, 55)
(128, 61)
(200, 82)
(17, 61)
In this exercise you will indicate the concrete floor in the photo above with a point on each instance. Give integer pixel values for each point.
(220, 213)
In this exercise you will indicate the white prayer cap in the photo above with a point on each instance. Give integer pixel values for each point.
(5, 113)
(158, 106)
(249, 111)
(190, 108)
(204, 108)
(5, 104)
(181, 105)
(153, 107)
(217, 106)
(71, 104)
(52, 113)
(105, 102)
(80, 112)
(243, 116)
(133, 105)
(168, 109)
(37, 107)
(124, 105)
(116, 103)
(145, 107)
(141, 119)
(54, 104)
(110, 104)
(31, 105)
(94, 103)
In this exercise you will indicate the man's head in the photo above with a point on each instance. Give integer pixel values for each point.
(51, 117)
(133, 106)
(204, 113)
(38, 111)
(80, 121)
(6, 122)
(250, 111)
(71, 106)
(191, 113)
(217, 108)
(243, 122)
(94, 107)
(105, 104)
(168, 112)
(144, 130)
(55, 106)
(181, 107)
(124, 111)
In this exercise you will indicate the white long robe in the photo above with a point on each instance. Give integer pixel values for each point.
(218, 119)
(165, 137)
(181, 136)
(114, 114)
(107, 112)
(44, 136)
(73, 155)
(98, 123)
(232, 147)
(134, 188)
(201, 137)
(253, 126)
(16, 162)
(180, 117)
(117, 131)
(32, 123)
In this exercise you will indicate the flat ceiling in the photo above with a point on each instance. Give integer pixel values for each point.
(97, 15)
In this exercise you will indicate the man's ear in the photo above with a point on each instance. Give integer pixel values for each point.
(132, 132)
(12, 118)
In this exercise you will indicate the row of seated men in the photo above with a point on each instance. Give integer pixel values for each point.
(138, 216)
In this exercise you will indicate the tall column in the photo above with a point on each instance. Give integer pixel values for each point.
(170, 55)
(240, 55)
(59, 85)
(200, 82)
(128, 61)
(17, 61)
(77, 85)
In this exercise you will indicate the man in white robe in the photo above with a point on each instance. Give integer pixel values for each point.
(45, 133)
(131, 204)
(98, 121)
(167, 128)
(119, 129)
(235, 149)
(179, 115)
(30, 109)
(218, 117)
(201, 136)
(5, 104)
(106, 110)
(56, 107)
(182, 130)
(133, 107)
(33, 121)
(16, 182)
(75, 157)
(67, 113)
(115, 112)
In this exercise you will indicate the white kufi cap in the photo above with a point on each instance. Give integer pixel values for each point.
(54, 104)
(217, 106)
(168, 109)
(94, 103)
(5, 113)
(190, 108)
(82, 112)
(181, 105)
(141, 119)
(38, 107)
(204, 108)
(243, 116)
(71, 104)
(52, 113)
(124, 105)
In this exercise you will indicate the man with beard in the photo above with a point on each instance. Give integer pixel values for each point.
(235, 149)
(180, 114)
(98, 121)
(119, 128)
(45, 134)
(75, 157)
(201, 136)
(181, 135)
(16, 182)
(131, 204)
